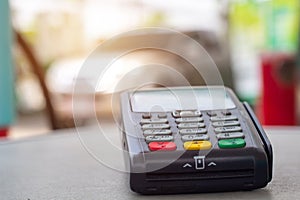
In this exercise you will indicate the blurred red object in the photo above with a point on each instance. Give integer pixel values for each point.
(3, 132)
(278, 102)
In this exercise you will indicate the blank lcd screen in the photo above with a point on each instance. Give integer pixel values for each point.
(166, 100)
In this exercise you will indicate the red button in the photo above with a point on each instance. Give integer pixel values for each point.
(164, 146)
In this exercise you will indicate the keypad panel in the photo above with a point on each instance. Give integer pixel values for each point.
(192, 130)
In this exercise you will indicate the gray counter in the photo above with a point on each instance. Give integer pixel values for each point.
(59, 167)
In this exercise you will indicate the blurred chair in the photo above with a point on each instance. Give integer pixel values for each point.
(56, 121)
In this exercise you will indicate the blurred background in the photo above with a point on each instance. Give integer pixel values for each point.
(254, 43)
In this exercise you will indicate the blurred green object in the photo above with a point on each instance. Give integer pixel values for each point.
(270, 24)
(7, 111)
(255, 27)
(282, 24)
(247, 36)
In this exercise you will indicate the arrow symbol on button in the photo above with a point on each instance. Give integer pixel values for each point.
(211, 164)
(187, 165)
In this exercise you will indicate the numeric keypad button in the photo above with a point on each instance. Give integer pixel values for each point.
(157, 132)
(154, 121)
(228, 129)
(225, 118)
(193, 131)
(195, 137)
(189, 119)
(233, 135)
(159, 138)
(225, 123)
(190, 125)
(155, 126)
(190, 113)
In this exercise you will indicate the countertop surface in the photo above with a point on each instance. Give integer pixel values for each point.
(82, 164)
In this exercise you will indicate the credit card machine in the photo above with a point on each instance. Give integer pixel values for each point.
(193, 139)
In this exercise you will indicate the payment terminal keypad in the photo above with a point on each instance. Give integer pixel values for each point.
(196, 130)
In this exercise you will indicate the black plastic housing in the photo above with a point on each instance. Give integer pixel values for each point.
(245, 168)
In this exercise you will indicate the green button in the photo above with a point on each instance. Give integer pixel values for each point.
(232, 143)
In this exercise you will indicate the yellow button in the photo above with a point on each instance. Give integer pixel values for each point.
(197, 145)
